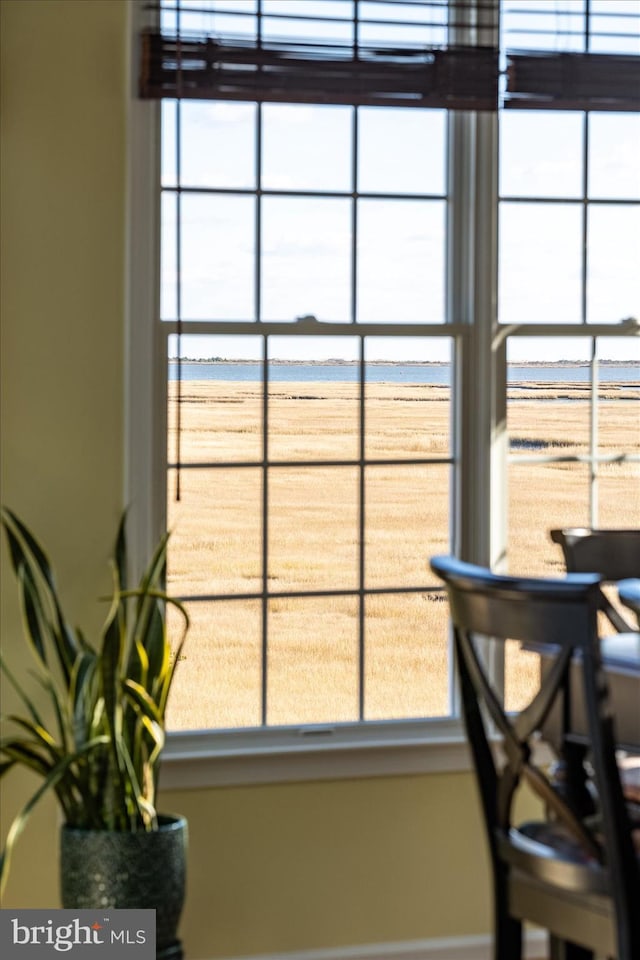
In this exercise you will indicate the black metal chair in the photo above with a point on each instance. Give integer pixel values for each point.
(614, 554)
(574, 873)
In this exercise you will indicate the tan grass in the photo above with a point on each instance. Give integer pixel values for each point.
(313, 535)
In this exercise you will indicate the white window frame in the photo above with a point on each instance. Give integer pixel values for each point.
(204, 758)
(271, 754)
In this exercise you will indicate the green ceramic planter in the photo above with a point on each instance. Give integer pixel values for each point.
(104, 868)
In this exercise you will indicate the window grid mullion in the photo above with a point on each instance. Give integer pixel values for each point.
(584, 265)
(362, 537)
(355, 154)
(593, 365)
(264, 607)
(178, 413)
(264, 690)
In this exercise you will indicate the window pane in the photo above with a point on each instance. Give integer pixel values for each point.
(618, 484)
(220, 419)
(405, 35)
(549, 406)
(168, 19)
(218, 677)
(540, 25)
(198, 16)
(556, 354)
(434, 12)
(313, 528)
(304, 21)
(619, 493)
(540, 263)
(406, 522)
(542, 496)
(220, 399)
(619, 358)
(401, 245)
(614, 155)
(614, 26)
(168, 148)
(613, 259)
(300, 8)
(218, 144)
(169, 262)
(217, 258)
(313, 659)
(306, 258)
(401, 150)
(216, 539)
(304, 31)
(619, 395)
(407, 407)
(548, 415)
(312, 420)
(314, 411)
(541, 153)
(406, 656)
(306, 147)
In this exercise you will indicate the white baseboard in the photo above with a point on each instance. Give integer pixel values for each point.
(447, 948)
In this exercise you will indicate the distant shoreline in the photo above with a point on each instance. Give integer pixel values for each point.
(212, 361)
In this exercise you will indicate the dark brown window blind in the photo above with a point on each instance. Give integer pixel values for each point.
(457, 70)
(467, 54)
(573, 81)
(572, 56)
(210, 69)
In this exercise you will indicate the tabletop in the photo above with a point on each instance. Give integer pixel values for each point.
(621, 660)
(621, 654)
(629, 593)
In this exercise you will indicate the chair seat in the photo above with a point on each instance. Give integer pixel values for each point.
(549, 852)
(556, 884)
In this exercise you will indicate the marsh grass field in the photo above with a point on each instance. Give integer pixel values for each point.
(312, 539)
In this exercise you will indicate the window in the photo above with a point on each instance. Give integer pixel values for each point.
(342, 398)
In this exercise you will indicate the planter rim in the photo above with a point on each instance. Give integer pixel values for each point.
(166, 823)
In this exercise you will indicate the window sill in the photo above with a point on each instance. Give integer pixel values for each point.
(198, 759)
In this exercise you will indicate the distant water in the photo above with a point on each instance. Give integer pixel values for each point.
(392, 372)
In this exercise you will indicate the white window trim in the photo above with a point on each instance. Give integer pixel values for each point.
(279, 754)
(210, 758)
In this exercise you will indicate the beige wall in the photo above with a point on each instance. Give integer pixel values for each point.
(272, 868)
(302, 866)
(61, 309)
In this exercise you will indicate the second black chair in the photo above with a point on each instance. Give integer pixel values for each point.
(575, 871)
(613, 553)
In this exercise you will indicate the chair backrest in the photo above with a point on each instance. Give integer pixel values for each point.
(614, 554)
(561, 615)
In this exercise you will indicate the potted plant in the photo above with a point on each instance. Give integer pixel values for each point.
(98, 744)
